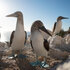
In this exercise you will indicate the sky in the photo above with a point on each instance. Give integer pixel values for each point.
(45, 10)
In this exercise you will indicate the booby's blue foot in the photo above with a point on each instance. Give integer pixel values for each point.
(44, 64)
(37, 63)
(21, 56)
(11, 56)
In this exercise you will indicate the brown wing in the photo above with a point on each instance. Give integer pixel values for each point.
(46, 44)
(54, 27)
(25, 37)
(11, 37)
(31, 44)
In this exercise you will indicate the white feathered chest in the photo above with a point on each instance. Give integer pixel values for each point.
(38, 44)
(58, 27)
(19, 37)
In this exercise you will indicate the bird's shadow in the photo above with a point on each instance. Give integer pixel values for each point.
(24, 64)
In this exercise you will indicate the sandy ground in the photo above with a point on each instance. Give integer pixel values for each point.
(24, 64)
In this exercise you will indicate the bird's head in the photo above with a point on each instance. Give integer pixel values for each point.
(16, 14)
(61, 17)
(38, 25)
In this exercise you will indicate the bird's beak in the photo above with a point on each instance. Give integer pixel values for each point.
(11, 15)
(65, 18)
(45, 30)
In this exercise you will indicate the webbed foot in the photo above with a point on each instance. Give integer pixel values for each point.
(44, 64)
(37, 63)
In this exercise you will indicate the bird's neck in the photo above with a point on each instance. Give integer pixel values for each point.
(59, 21)
(20, 20)
(20, 23)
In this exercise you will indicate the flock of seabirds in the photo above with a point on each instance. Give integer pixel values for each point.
(40, 45)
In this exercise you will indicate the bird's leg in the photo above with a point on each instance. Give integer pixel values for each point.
(21, 55)
(36, 63)
(44, 64)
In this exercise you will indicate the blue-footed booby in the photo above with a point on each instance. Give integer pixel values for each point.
(18, 36)
(58, 25)
(39, 45)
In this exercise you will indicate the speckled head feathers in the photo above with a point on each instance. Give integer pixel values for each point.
(36, 25)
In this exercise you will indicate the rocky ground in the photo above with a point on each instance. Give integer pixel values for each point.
(24, 64)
